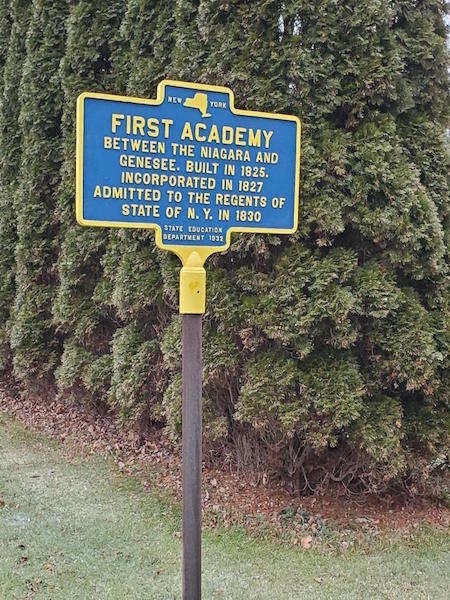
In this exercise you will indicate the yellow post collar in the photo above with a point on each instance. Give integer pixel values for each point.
(192, 284)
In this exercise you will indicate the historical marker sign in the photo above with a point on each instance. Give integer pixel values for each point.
(188, 164)
(194, 168)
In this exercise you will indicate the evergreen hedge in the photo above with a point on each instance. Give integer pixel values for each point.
(33, 341)
(15, 21)
(327, 354)
(86, 328)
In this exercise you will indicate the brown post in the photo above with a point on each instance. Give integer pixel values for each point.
(192, 455)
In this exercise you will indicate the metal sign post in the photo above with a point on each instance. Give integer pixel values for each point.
(192, 456)
(195, 169)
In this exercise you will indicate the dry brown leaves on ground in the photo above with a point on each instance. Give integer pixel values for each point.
(228, 497)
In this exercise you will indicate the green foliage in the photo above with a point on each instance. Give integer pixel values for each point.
(379, 432)
(403, 349)
(220, 363)
(74, 310)
(5, 28)
(136, 362)
(40, 99)
(87, 64)
(137, 291)
(316, 398)
(74, 361)
(83, 376)
(269, 398)
(13, 51)
(92, 49)
(147, 28)
(326, 353)
(242, 38)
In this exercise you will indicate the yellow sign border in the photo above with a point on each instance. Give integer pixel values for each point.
(194, 256)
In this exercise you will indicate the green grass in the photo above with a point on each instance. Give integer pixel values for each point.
(78, 529)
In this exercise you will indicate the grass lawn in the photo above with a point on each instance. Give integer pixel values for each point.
(78, 529)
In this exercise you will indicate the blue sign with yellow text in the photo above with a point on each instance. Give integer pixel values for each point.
(187, 164)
